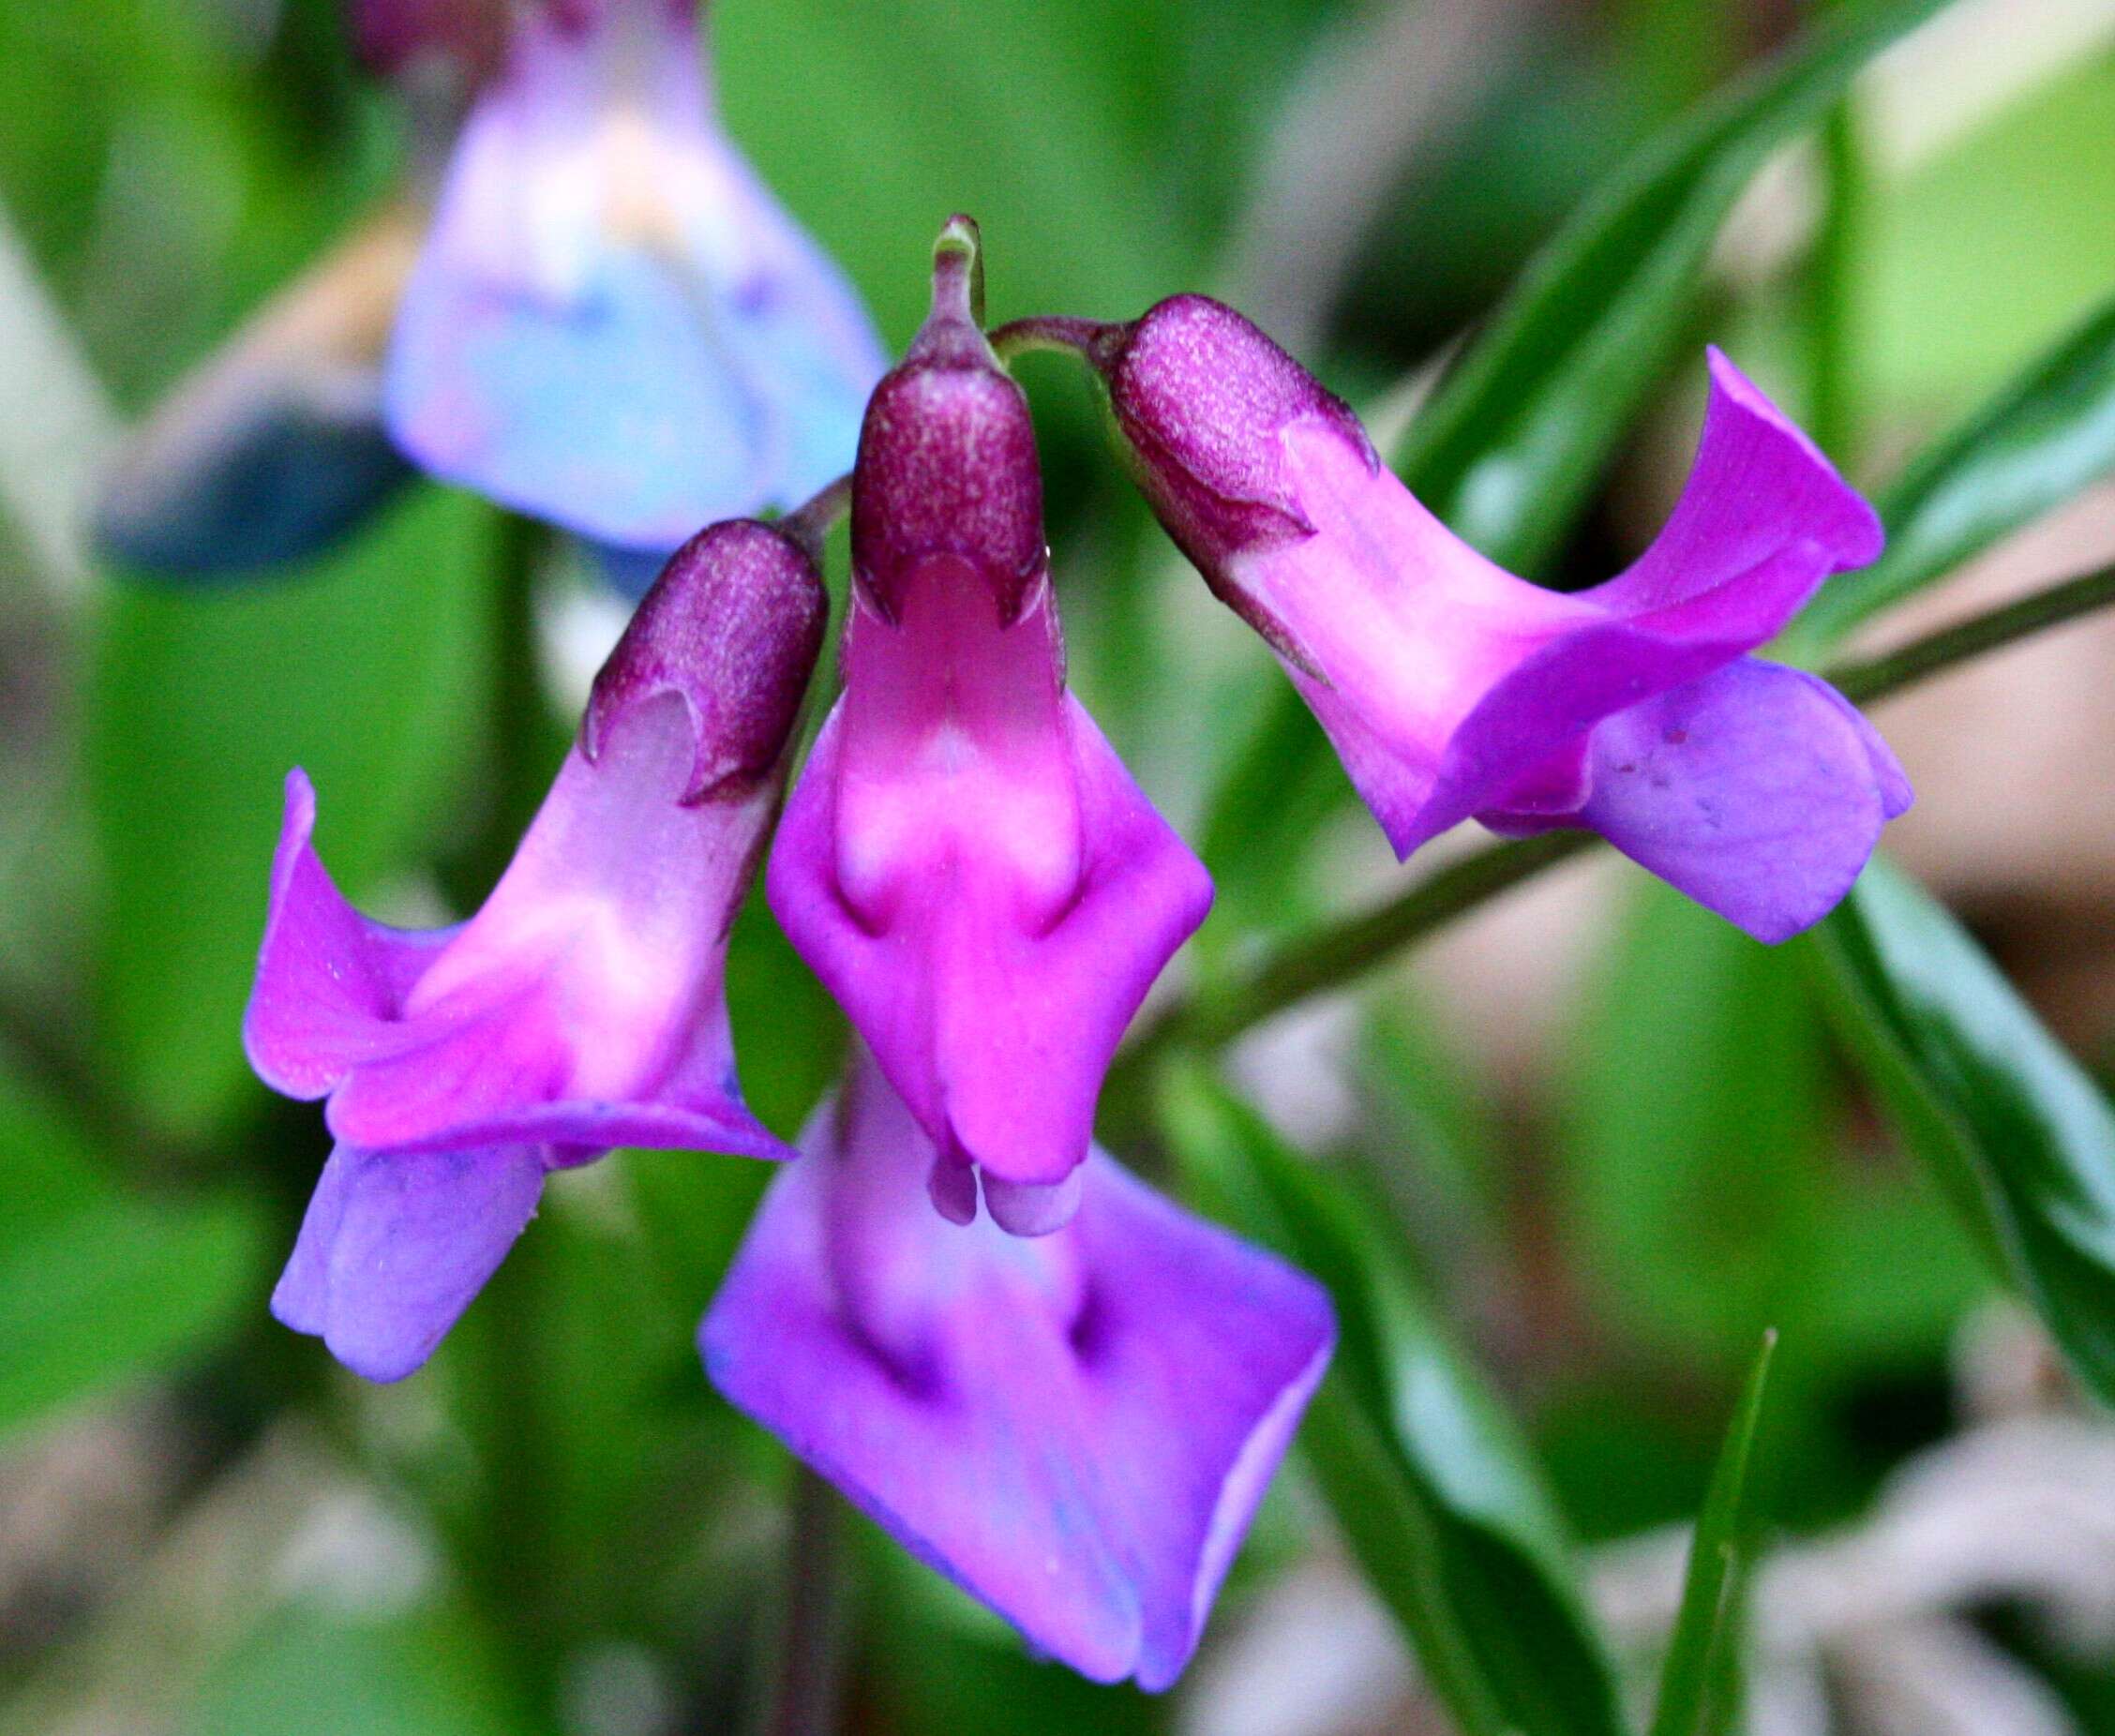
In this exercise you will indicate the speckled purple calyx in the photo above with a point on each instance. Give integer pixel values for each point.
(392, 36)
(1202, 397)
(734, 625)
(946, 455)
(579, 15)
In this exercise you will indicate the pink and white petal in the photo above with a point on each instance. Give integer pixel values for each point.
(995, 1033)
(453, 1074)
(1027, 1029)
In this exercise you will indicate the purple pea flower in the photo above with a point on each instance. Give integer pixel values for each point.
(1076, 1430)
(606, 322)
(614, 326)
(965, 862)
(580, 1009)
(1452, 690)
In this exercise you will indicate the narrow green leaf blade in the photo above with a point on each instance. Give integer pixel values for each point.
(2047, 435)
(1701, 1658)
(2020, 1135)
(1434, 1493)
(1514, 439)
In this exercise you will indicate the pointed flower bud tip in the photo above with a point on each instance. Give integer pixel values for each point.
(734, 625)
(947, 460)
(958, 271)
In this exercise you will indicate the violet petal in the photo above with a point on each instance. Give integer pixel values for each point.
(1076, 1430)
(395, 1246)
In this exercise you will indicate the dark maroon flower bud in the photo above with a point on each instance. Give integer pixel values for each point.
(395, 36)
(1202, 398)
(946, 455)
(734, 625)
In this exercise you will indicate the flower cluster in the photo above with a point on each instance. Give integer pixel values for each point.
(1052, 1384)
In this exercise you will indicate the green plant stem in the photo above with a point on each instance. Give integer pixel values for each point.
(1056, 333)
(516, 772)
(1332, 953)
(804, 1694)
(1875, 678)
(510, 1538)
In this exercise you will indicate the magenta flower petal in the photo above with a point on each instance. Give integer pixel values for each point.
(1449, 688)
(965, 862)
(1076, 1430)
(613, 324)
(1758, 487)
(583, 1007)
(992, 917)
(1759, 791)
(1443, 680)
(329, 981)
(580, 1006)
(395, 1246)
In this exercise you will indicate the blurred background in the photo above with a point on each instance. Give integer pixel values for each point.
(1618, 1139)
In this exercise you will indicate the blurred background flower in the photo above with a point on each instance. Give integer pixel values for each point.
(1600, 1139)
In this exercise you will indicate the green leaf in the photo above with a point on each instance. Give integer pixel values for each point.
(2020, 1135)
(1517, 436)
(1708, 1191)
(2034, 166)
(1703, 1657)
(98, 1286)
(1434, 1493)
(365, 671)
(2047, 435)
(311, 1670)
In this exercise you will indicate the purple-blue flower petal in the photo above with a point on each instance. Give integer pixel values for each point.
(395, 1246)
(613, 324)
(1759, 791)
(1076, 1430)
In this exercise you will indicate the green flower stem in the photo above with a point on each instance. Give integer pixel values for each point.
(1338, 952)
(508, 1540)
(1875, 678)
(803, 1695)
(1053, 332)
